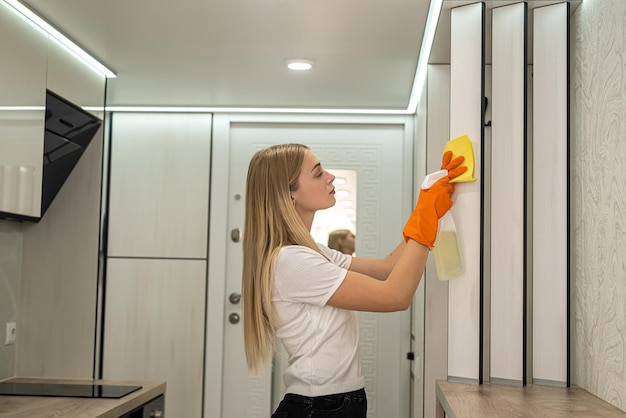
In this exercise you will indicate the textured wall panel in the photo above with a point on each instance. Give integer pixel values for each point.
(598, 200)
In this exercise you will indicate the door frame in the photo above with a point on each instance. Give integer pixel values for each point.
(218, 225)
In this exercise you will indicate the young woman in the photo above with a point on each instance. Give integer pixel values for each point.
(342, 240)
(305, 294)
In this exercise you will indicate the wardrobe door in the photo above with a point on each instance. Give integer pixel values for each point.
(467, 63)
(550, 194)
(159, 185)
(508, 195)
(155, 284)
(154, 325)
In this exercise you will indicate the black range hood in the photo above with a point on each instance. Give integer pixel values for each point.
(68, 131)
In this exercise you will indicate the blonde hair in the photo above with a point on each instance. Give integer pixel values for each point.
(271, 222)
(335, 236)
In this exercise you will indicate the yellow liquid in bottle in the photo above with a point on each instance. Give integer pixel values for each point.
(447, 256)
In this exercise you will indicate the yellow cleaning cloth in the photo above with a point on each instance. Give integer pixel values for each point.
(462, 146)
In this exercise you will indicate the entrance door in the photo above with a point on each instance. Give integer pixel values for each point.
(380, 154)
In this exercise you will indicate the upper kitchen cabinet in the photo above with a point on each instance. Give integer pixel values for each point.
(159, 185)
(51, 106)
(23, 62)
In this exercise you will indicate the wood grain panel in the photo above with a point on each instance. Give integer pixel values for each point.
(497, 401)
(466, 117)
(550, 191)
(68, 407)
(598, 223)
(508, 214)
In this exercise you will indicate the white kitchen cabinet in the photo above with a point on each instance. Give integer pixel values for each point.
(22, 100)
(31, 63)
(23, 65)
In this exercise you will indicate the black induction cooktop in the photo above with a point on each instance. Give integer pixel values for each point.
(66, 390)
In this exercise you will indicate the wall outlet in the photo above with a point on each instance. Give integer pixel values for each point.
(10, 334)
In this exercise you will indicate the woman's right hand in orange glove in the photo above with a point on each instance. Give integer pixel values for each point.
(433, 203)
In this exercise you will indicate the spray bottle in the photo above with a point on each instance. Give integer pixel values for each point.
(446, 250)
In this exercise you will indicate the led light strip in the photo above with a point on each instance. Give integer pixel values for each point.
(432, 21)
(181, 109)
(24, 12)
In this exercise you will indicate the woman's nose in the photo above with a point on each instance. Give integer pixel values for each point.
(331, 177)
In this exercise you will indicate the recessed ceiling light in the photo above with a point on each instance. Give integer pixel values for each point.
(339, 180)
(299, 64)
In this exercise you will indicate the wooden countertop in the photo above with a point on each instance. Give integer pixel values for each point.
(459, 400)
(48, 407)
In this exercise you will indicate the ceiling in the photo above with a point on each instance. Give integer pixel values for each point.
(231, 53)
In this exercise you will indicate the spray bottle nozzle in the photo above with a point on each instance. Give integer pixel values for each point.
(432, 178)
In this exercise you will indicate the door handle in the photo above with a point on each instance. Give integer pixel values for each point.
(235, 235)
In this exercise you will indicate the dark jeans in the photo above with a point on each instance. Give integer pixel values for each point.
(340, 405)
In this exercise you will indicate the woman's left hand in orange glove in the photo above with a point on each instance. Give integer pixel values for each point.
(433, 203)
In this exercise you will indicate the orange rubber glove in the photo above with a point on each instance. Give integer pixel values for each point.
(433, 203)
(454, 167)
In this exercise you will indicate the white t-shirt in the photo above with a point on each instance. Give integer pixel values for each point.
(322, 341)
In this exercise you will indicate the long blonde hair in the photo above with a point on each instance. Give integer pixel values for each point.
(271, 222)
